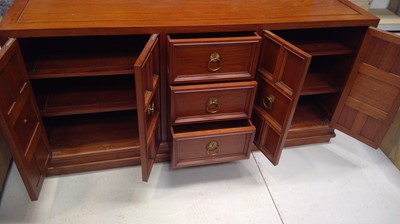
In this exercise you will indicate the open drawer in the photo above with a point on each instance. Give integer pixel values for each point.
(209, 143)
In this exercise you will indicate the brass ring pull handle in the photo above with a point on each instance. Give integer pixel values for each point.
(213, 105)
(212, 148)
(215, 59)
(268, 101)
(150, 109)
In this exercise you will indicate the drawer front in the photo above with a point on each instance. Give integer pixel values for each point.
(211, 146)
(212, 102)
(200, 60)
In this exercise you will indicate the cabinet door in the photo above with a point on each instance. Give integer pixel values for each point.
(20, 120)
(148, 104)
(371, 97)
(282, 70)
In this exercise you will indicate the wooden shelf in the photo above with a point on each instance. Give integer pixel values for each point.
(83, 135)
(324, 48)
(310, 125)
(319, 83)
(309, 114)
(78, 56)
(58, 66)
(70, 96)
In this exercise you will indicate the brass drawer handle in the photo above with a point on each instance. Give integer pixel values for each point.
(214, 59)
(150, 109)
(212, 148)
(268, 101)
(213, 105)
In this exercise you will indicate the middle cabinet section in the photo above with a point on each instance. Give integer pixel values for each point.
(212, 90)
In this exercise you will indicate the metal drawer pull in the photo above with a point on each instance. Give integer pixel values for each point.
(213, 105)
(268, 101)
(212, 148)
(214, 59)
(150, 109)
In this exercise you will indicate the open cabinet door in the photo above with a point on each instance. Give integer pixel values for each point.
(371, 97)
(20, 120)
(147, 81)
(282, 70)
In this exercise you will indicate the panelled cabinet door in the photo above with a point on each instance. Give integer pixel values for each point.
(20, 120)
(371, 96)
(148, 104)
(282, 70)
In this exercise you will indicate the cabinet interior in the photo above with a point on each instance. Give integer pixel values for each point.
(85, 91)
(333, 51)
(54, 57)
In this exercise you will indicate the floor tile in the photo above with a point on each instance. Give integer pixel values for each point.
(225, 193)
(343, 181)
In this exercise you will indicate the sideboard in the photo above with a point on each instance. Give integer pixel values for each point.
(88, 85)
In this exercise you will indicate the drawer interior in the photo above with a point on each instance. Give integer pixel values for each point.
(210, 35)
(211, 126)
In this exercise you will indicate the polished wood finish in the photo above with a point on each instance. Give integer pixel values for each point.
(211, 59)
(148, 104)
(73, 17)
(81, 56)
(105, 76)
(371, 97)
(70, 96)
(283, 68)
(191, 143)
(191, 103)
(189, 58)
(20, 120)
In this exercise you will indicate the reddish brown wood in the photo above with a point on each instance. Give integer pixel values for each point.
(81, 56)
(82, 134)
(130, 157)
(232, 141)
(189, 58)
(148, 104)
(282, 73)
(74, 17)
(319, 83)
(197, 26)
(191, 103)
(371, 97)
(69, 96)
(20, 120)
(322, 48)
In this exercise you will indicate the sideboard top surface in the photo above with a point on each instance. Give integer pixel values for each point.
(94, 17)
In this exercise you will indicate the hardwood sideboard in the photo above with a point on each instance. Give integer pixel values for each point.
(87, 85)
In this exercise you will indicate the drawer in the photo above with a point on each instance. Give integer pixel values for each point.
(212, 102)
(210, 143)
(212, 58)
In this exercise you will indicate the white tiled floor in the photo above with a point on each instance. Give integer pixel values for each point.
(339, 182)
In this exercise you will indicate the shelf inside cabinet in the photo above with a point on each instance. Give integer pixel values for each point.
(319, 83)
(93, 133)
(323, 47)
(323, 41)
(309, 114)
(59, 57)
(70, 96)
